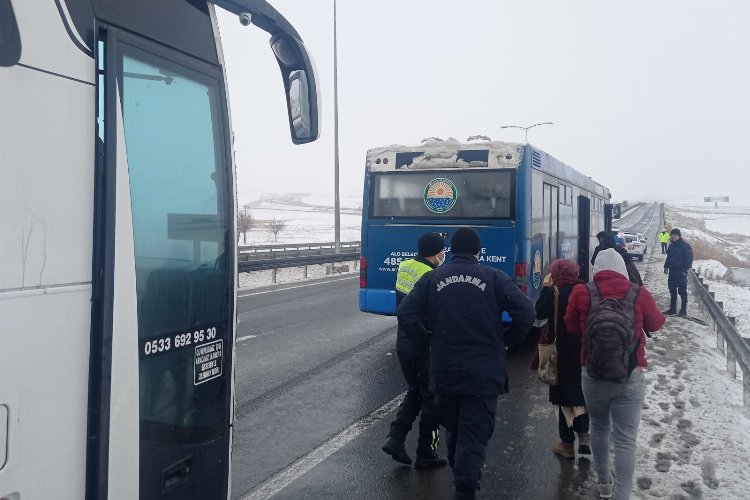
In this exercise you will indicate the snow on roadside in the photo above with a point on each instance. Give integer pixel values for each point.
(257, 279)
(694, 437)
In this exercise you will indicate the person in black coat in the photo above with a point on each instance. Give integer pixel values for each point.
(678, 263)
(464, 302)
(567, 394)
(608, 241)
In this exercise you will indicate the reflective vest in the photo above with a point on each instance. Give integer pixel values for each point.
(409, 272)
(664, 237)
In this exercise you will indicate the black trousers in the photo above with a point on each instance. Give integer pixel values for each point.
(677, 284)
(663, 248)
(415, 365)
(580, 425)
(470, 422)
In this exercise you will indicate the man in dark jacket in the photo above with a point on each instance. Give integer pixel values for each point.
(414, 356)
(464, 302)
(678, 263)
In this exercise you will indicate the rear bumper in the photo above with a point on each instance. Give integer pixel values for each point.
(377, 301)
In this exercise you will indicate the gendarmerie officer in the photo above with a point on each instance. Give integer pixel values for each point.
(414, 356)
(463, 302)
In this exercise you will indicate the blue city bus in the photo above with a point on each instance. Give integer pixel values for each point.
(528, 208)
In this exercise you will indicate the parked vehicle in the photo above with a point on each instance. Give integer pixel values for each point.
(634, 246)
(643, 240)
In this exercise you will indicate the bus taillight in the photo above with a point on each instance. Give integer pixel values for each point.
(363, 272)
(522, 276)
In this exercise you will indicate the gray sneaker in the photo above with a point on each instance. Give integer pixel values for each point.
(605, 489)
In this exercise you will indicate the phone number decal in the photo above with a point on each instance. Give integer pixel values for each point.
(172, 342)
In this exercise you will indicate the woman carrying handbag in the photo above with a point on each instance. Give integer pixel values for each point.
(567, 394)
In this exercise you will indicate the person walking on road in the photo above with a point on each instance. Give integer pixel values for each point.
(678, 263)
(464, 303)
(413, 353)
(567, 394)
(610, 314)
(664, 240)
(608, 241)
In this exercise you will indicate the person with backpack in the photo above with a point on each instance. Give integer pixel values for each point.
(610, 314)
(572, 418)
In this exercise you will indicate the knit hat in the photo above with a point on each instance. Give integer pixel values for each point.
(677, 232)
(610, 260)
(430, 244)
(465, 240)
(564, 268)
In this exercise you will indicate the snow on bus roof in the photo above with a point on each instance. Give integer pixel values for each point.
(436, 153)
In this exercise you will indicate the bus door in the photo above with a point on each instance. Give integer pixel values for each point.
(584, 236)
(168, 206)
(550, 225)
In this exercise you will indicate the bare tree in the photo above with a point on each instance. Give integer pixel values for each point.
(245, 222)
(275, 226)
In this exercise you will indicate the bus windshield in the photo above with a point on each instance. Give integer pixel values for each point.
(464, 194)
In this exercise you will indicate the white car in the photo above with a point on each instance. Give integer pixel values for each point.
(643, 240)
(635, 247)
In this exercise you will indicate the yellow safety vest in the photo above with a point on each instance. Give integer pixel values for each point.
(664, 237)
(409, 272)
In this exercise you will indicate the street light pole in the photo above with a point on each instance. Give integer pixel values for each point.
(526, 129)
(337, 203)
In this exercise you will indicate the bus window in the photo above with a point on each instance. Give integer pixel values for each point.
(475, 194)
(180, 228)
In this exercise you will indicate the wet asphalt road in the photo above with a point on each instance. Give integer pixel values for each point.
(309, 365)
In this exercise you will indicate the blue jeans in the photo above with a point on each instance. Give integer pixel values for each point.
(621, 404)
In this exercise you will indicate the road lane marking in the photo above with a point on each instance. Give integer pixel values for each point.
(297, 286)
(247, 337)
(287, 476)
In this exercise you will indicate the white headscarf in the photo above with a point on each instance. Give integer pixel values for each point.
(610, 260)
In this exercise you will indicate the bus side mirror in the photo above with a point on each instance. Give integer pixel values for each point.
(300, 87)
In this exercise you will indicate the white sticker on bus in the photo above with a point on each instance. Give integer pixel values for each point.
(208, 361)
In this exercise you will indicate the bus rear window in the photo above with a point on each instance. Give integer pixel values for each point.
(444, 194)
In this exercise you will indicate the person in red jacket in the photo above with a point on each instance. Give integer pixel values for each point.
(605, 400)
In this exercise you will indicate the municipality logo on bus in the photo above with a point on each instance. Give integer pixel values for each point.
(440, 195)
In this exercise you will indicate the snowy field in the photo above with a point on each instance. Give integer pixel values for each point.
(309, 218)
(720, 238)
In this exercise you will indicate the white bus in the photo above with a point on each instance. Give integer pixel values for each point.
(118, 244)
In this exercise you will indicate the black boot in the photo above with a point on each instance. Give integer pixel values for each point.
(465, 494)
(670, 312)
(683, 312)
(397, 451)
(431, 459)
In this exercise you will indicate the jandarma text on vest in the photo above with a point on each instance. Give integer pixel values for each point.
(461, 279)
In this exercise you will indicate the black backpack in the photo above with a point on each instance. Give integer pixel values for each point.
(611, 343)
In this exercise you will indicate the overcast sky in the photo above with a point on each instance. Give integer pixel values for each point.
(648, 98)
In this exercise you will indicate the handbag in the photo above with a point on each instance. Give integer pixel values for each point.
(547, 348)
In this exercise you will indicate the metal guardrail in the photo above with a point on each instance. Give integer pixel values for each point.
(254, 258)
(728, 339)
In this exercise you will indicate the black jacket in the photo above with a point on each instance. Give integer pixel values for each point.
(679, 256)
(464, 302)
(568, 391)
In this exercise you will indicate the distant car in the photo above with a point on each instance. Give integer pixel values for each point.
(643, 240)
(634, 246)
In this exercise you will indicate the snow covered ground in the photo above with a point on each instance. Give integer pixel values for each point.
(694, 440)
(309, 218)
